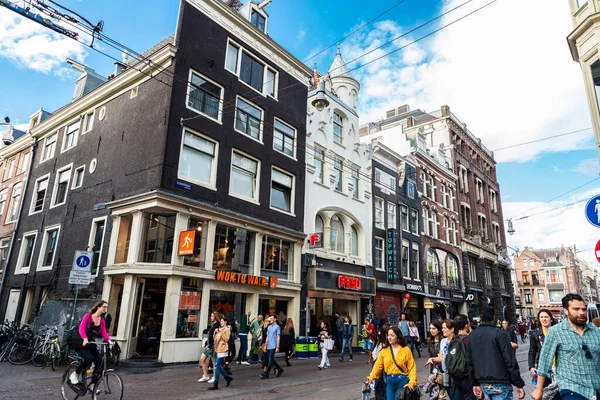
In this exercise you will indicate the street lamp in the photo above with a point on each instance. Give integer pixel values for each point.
(510, 230)
(320, 101)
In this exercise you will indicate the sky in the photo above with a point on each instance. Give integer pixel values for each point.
(504, 72)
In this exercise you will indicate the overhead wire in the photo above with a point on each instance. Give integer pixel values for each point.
(542, 139)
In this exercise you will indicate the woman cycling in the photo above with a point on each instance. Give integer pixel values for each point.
(92, 326)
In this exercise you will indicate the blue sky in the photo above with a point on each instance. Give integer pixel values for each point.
(508, 87)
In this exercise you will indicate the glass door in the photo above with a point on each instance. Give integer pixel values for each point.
(137, 314)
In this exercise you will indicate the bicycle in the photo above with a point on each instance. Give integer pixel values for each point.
(108, 386)
(48, 351)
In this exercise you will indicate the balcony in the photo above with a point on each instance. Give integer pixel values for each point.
(538, 282)
(453, 283)
(524, 283)
(434, 279)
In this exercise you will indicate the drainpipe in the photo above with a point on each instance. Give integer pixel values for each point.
(14, 234)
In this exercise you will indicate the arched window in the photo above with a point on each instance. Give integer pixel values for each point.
(433, 266)
(336, 241)
(354, 242)
(452, 272)
(319, 225)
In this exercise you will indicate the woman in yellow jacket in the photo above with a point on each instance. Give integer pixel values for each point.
(402, 372)
(221, 351)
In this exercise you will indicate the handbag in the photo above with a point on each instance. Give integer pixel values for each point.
(328, 344)
(551, 390)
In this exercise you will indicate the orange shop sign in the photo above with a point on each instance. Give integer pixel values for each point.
(245, 279)
(186, 243)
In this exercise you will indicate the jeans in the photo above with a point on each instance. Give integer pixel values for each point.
(464, 389)
(340, 339)
(394, 383)
(219, 370)
(413, 343)
(90, 354)
(344, 343)
(243, 354)
(497, 392)
(324, 357)
(272, 362)
(566, 394)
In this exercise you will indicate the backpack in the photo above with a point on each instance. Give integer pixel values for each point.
(456, 359)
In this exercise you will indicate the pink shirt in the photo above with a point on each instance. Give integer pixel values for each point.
(87, 319)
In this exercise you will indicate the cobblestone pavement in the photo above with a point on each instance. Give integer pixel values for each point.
(303, 380)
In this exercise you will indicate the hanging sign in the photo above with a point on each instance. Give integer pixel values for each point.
(186, 243)
(592, 211)
(427, 303)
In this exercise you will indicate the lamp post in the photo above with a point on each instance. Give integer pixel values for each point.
(511, 230)
(320, 102)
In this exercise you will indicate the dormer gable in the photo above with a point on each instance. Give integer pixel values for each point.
(253, 12)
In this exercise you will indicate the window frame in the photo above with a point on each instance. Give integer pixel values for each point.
(75, 174)
(65, 129)
(333, 245)
(212, 184)
(414, 249)
(319, 171)
(23, 159)
(19, 268)
(338, 169)
(405, 225)
(379, 224)
(53, 202)
(391, 215)
(92, 236)
(43, 248)
(9, 168)
(85, 119)
(414, 216)
(294, 140)
(221, 96)
(258, 14)
(12, 203)
(380, 251)
(339, 124)
(255, 198)
(261, 122)
(355, 177)
(379, 173)
(291, 211)
(53, 139)
(35, 193)
(238, 64)
(3, 205)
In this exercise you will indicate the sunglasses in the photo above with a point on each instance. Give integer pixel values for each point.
(585, 348)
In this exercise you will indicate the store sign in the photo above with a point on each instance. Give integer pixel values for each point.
(315, 240)
(392, 255)
(412, 286)
(245, 279)
(457, 296)
(186, 243)
(348, 282)
(427, 303)
(189, 300)
(412, 303)
(470, 297)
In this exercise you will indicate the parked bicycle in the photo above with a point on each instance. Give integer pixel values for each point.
(108, 386)
(47, 351)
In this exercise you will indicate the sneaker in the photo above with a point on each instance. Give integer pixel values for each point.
(245, 363)
(340, 360)
(318, 366)
(351, 360)
(279, 373)
(73, 378)
(211, 380)
(327, 366)
(237, 362)
(262, 376)
(204, 379)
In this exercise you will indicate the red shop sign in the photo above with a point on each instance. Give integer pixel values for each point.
(347, 282)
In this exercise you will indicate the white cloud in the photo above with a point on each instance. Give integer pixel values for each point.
(565, 226)
(301, 32)
(30, 45)
(502, 72)
(590, 167)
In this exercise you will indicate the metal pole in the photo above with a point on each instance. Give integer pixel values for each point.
(74, 305)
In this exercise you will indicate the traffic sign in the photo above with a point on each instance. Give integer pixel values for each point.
(597, 251)
(592, 211)
(79, 278)
(83, 261)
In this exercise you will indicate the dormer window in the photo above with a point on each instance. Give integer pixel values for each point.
(258, 20)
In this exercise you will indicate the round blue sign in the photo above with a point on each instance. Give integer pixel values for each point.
(592, 211)
(83, 261)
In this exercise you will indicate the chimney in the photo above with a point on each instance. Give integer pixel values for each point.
(390, 113)
(87, 81)
(403, 109)
(445, 111)
(410, 121)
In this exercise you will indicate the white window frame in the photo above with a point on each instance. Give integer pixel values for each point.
(425, 222)
(432, 188)
(321, 151)
(212, 184)
(415, 246)
(75, 135)
(381, 175)
(454, 231)
(260, 124)
(257, 59)
(337, 159)
(295, 140)
(56, 183)
(292, 191)
(414, 229)
(19, 268)
(275, 82)
(381, 252)
(341, 125)
(424, 183)
(444, 194)
(12, 202)
(9, 168)
(35, 192)
(355, 177)
(380, 224)
(52, 140)
(24, 159)
(189, 89)
(93, 234)
(84, 122)
(42, 253)
(391, 215)
(446, 227)
(405, 225)
(77, 170)
(450, 198)
(256, 179)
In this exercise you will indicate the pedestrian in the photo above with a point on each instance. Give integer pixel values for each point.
(512, 336)
(522, 331)
(273, 342)
(492, 363)
(264, 359)
(381, 341)
(440, 359)
(397, 361)
(366, 333)
(221, 336)
(230, 345)
(414, 337)
(245, 322)
(575, 346)
(536, 342)
(462, 385)
(208, 350)
(404, 327)
(323, 335)
(339, 325)
(433, 342)
(347, 336)
(288, 341)
(256, 332)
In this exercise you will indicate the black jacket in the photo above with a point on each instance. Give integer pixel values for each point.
(491, 358)
(536, 340)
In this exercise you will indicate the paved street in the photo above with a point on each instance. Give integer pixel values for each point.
(301, 381)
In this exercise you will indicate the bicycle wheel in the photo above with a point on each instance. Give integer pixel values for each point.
(20, 355)
(54, 356)
(109, 386)
(68, 390)
(40, 358)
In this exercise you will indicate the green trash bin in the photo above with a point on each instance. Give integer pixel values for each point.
(302, 348)
(313, 348)
(361, 347)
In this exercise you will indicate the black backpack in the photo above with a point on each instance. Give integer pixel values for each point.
(456, 359)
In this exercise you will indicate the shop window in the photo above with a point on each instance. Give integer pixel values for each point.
(123, 239)
(188, 317)
(336, 240)
(157, 238)
(277, 254)
(277, 308)
(234, 249)
(230, 304)
(195, 260)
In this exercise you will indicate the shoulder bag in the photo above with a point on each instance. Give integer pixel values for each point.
(405, 393)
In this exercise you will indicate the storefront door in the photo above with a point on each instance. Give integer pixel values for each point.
(137, 314)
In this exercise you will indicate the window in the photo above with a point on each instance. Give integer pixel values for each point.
(257, 20)
(463, 179)
(88, 122)
(528, 299)
(432, 188)
(414, 262)
(554, 276)
(204, 96)
(452, 269)
(282, 188)
(488, 276)
(96, 242)
(231, 59)
(454, 231)
(271, 83)
(404, 223)
(26, 252)
(4, 245)
(541, 295)
(493, 202)
(433, 224)
(535, 279)
(379, 257)
(70, 136)
(338, 170)
(405, 258)
(23, 163)
(444, 194)
(197, 162)
(433, 266)
(410, 188)
(157, 238)
(244, 176)
(482, 226)
(384, 179)
(354, 242)
(123, 239)
(451, 199)
(580, 3)
(319, 224)
(196, 259)
(319, 158)
(78, 177)
(48, 250)
(355, 171)
(525, 276)
(425, 221)
(391, 215)
(248, 119)
(284, 138)
(338, 128)
(465, 214)
(15, 202)
(9, 168)
(49, 147)
(60, 187)
(3, 197)
(251, 71)
(277, 258)
(379, 219)
(555, 296)
(446, 228)
(188, 323)
(414, 217)
(336, 239)
(423, 177)
(472, 269)
(234, 249)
